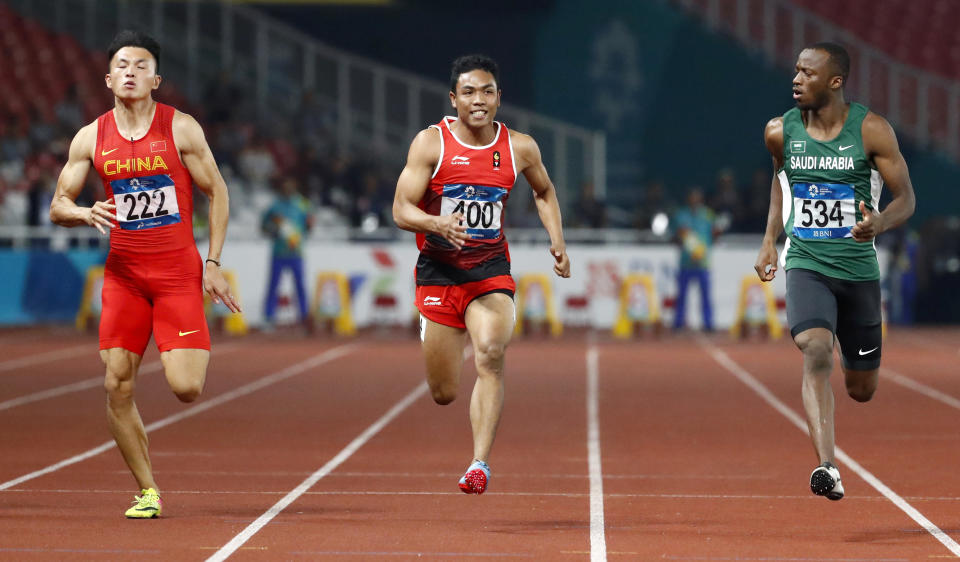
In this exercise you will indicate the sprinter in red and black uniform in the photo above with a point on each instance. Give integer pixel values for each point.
(149, 156)
(452, 193)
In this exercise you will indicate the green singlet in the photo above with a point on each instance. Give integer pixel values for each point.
(823, 183)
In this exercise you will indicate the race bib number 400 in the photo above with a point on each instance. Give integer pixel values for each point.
(823, 210)
(146, 202)
(480, 205)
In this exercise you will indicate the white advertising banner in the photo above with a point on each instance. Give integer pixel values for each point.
(597, 270)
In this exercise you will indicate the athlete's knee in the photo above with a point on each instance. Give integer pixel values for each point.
(443, 395)
(187, 389)
(490, 356)
(861, 388)
(817, 352)
(119, 380)
(861, 393)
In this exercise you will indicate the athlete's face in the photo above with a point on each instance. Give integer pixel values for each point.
(133, 73)
(476, 99)
(815, 80)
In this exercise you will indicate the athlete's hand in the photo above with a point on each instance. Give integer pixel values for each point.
(562, 267)
(101, 216)
(766, 266)
(218, 288)
(867, 229)
(452, 229)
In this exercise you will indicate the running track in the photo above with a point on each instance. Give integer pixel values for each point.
(682, 448)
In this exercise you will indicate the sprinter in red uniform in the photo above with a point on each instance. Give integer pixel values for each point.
(149, 156)
(452, 193)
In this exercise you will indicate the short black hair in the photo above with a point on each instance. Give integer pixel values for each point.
(467, 63)
(839, 58)
(133, 38)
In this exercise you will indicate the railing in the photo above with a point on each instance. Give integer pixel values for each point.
(58, 239)
(924, 106)
(373, 108)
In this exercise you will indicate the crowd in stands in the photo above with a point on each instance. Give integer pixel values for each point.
(345, 190)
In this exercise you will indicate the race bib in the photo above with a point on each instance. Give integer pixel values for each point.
(823, 210)
(146, 202)
(480, 205)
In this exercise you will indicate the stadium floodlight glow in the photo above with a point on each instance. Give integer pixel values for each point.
(659, 224)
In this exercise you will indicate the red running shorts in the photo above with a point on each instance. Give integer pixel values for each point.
(159, 293)
(447, 304)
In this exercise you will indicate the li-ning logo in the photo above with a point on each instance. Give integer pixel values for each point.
(496, 158)
(432, 301)
(460, 161)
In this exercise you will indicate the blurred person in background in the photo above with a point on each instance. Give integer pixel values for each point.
(287, 222)
(149, 156)
(726, 202)
(695, 227)
(590, 209)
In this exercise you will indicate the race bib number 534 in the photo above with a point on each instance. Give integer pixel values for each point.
(481, 207)
(145, 202)
(823, 210)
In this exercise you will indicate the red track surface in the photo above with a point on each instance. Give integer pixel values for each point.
(695, 465)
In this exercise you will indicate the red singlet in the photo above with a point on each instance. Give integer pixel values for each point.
(475, 181)
(153, 275)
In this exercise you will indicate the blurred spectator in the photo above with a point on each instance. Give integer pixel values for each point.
(257, 164)
(287, 222)
(223, 98)
(758, 201)
(69, 110)
(653, 202)
(727, 201)
(694, 226)
(591, 212)
(15, 144)
(902, 274)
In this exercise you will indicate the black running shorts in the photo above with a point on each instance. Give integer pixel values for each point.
(849, 309)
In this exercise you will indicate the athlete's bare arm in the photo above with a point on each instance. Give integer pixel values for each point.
(63, 209)
(881, 147)
(530, 164)
(766, 266)
(198, 159)
(413, 184)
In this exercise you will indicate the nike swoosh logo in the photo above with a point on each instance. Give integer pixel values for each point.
(195, 331)
(862, 352)
(105, 152)
(842, 148)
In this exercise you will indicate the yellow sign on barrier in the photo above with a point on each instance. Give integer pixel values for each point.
(749, 287)
(639, 303)
(91, 291)
(535, 290)
(331, 300)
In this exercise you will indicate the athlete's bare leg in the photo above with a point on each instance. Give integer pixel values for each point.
(122, 415)
(443, 350)
(817, 347)
(186, 371)
(490, 321)
(861, 384)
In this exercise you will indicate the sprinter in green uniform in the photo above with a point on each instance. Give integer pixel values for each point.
(830, 160)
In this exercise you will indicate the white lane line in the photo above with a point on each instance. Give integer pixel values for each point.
(92, 382)
(598, 541)
(47, 357)
(746, 378)
(245, 535)
(916, 386)
(238, 392)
